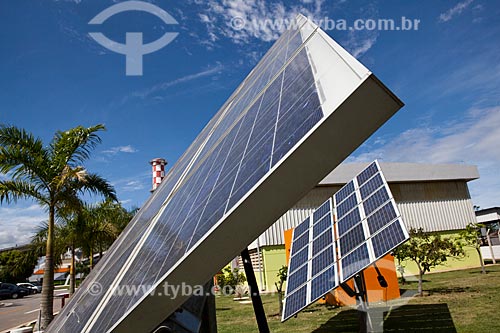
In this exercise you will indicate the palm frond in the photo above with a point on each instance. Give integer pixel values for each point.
(74, 146)
(20, 164)
(95, 184)
(22, 153)
(39, 242)
(18, 137)
(69, 206)
(13, 190)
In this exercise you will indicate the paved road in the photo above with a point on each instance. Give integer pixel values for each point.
(23, 310)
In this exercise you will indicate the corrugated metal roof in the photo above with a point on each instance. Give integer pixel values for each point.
(405, 172)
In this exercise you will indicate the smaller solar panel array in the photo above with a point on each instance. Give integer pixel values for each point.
(326, 251)
(368, 222)
(312, 271)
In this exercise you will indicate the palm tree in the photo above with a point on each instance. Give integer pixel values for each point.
(100, 229)
(90, 228)
(71, 229)
(99, 225)
(68, 231)
(39, 243)
(53, 176)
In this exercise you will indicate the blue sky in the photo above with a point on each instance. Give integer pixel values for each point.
(54, 77)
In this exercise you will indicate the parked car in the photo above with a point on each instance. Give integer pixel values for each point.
(24, 291)
(37, 284)
(9, 290)
(30, 286)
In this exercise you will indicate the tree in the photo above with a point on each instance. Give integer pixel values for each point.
(53, 176)
(16, 266)
(86, 227)
(230, 278)
(102, 224)
(282, 276)
(39, 243)
(427, 250)
(90, 228)
(72, 228)
(471, 236)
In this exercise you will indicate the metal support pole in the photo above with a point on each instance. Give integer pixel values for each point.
(258, 308)
(365, 324)
(491, 247)
(262, 287)
(209, 317)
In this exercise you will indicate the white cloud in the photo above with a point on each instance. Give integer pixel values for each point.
(204, 18)
(454, 11)
(138, 182)
(168, 84)
(472, 139)
(358, 46)
(73, 1)
(358, 42)
(133, 185)
(245, 20)
(18, 223)
(120, 149)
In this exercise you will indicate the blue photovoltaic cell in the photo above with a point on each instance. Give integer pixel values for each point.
(323, 283)
(295, 302)
(371, 186)
(367, 173)
(355, 262)
(301, 241)
(381, 217)
(298, 259)
(348, 221)
(322, 260)
(375, 201)
(346, 205)
(344, 192)
(322, 242)
(388, 238)
(292, 126)
(321, 211)
(322, 255)
(322, 225)
(301, 228)
(351, 239)
(297, 279)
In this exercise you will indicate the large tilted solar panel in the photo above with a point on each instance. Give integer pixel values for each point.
(312, 271)
(235, 180)
(367, 226)
(368, 223)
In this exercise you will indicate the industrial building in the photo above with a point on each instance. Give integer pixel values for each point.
(489, 219)
(432, 196)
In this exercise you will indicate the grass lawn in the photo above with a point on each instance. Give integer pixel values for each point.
(458, 301)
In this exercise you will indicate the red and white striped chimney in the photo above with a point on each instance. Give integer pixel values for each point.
(158, 165)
